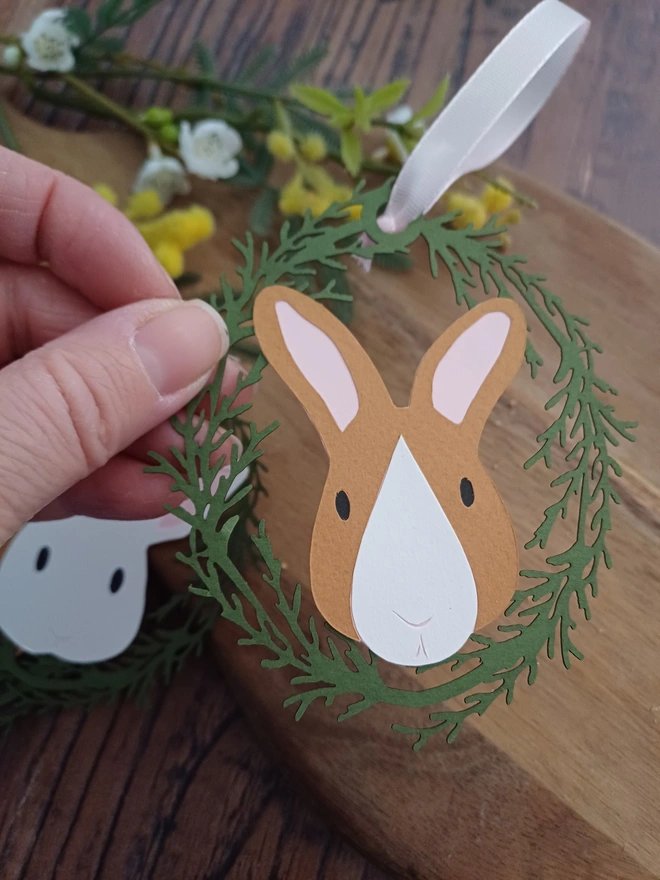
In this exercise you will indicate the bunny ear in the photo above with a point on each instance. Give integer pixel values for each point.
(465, 372)
(318, 358)
(168, 527)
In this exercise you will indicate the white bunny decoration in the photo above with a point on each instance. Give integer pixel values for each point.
(75, 588)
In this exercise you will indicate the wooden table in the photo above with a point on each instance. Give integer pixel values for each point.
(182, 790)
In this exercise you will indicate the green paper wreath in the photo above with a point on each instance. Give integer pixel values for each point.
(333, 666)
(329, 667)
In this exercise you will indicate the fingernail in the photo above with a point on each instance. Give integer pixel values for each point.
(233, 371)
(181, 345)
(236, 441)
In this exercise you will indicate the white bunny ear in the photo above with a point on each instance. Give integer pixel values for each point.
(319, 359)
(468, 368)
(168, 527)
(321, 363)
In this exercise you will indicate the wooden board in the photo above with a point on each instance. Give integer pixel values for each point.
(564, 782)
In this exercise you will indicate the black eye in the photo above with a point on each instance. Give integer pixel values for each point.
(343, 505)
(117, 580)
(42, 558)
(467, 492)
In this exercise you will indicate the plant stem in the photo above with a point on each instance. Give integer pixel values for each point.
(7, 132)
(198, 114)
(127, 66)
(367, 164)
(183, 78)
(191, 114)
(107, 104)
(58, 99)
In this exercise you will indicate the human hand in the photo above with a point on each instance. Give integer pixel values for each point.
(97, 351)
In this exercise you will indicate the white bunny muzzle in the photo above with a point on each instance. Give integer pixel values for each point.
(414, 599)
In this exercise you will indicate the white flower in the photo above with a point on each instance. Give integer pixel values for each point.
(11, 57)
(48, 43)
(164, 174)
(210, 148)
(400, 115)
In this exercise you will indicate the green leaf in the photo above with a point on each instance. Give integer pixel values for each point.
(7, 132)
(388, 95)
(134, 13)
(78, 22)
(204, 59)
(435, 103)
(299, 68)
(263, 211)
(107, 14)
(261, 60)
(362, 110)
(307, 124)
(108, 46)
(283, 118)
(201, 97)
(351, 150)
(254, 173)
(344, 118)
(318, 100)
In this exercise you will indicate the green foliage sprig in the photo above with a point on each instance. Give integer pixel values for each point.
(327, 666)
(93, 31)
(170, 635)
(365, 112)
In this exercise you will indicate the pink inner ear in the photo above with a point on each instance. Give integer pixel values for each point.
(319, 360)
(168, 521)
(465, 366)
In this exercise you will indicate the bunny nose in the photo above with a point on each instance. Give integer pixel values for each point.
(410, 623)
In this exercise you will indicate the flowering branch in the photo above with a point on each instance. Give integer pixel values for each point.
(235, 130)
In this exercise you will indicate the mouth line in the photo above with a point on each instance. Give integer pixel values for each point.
(59, 637)
(414, 625)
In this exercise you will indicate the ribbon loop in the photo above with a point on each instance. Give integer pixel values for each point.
(490, 112)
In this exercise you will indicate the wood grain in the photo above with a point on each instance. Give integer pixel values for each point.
(572, 754)
(562, 783)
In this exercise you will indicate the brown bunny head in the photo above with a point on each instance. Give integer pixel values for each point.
(412, 547)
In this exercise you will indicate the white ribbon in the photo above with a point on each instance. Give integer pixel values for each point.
(490, 112)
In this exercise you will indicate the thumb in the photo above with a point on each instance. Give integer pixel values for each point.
(70, 406)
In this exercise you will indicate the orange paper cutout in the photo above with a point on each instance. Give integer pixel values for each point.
(382, 453)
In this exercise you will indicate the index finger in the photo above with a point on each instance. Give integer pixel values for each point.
(46, 216)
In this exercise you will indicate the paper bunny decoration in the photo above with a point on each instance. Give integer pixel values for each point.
(412, 548)
(76, 587)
